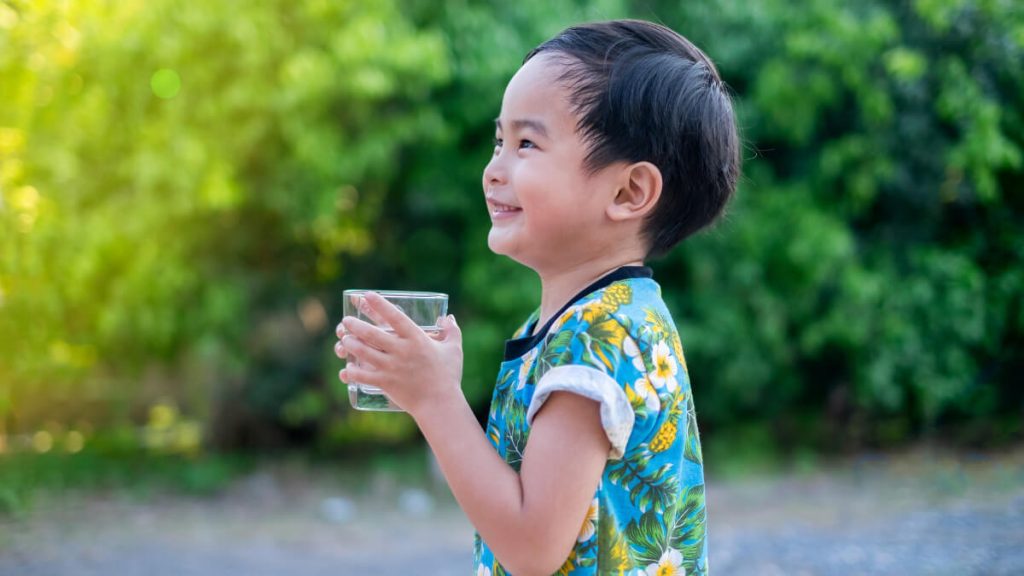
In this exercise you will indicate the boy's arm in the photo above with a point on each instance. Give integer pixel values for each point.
(530, 520)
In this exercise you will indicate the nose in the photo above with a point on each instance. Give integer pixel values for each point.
(495, 173)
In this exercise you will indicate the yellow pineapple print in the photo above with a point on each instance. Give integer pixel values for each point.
(667, 432)
(613, 297)
(616, 295)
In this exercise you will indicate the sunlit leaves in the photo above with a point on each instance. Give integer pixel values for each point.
(162, 166)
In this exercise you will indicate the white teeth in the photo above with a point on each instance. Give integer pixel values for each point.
(499, 208)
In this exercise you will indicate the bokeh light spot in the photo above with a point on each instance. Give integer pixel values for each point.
(8, 17)
(165, 83)
(42, 441)
(162, 416)
(74, 442)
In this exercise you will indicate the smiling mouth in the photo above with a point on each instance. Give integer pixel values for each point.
(498, 209)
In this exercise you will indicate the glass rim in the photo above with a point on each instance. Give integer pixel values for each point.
(411, 294)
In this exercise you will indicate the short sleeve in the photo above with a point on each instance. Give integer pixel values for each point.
(584, 355)
(616, 413)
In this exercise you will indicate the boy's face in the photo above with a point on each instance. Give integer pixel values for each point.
(546, 211)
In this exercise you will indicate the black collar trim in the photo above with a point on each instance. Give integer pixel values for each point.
(519, 346)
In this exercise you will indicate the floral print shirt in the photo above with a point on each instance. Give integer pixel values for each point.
(616, 344)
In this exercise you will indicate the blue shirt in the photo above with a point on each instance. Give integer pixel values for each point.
(615, 343)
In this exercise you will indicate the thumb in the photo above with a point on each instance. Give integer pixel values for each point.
(452, 332)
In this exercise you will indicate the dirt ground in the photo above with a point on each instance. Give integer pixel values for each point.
(919, 513)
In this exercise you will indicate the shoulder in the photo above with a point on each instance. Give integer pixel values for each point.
(618, 301)
(623, 308)
(605, 327)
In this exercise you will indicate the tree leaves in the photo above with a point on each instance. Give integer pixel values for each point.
(176, 225)
(872, 255)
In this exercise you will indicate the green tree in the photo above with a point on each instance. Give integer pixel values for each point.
(172, 180)
(871, 266)
(184, 194)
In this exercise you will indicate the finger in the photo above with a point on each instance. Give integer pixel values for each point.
(392, 315)
(340, 330)
(372, 335)
(363, 351)
(370, 313)
(358, 375)
(451, 332)
(339, 350)
(353, 360)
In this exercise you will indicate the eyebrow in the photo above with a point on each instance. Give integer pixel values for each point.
(527, 123)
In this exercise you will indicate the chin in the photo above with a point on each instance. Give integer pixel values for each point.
(503, 247)
(497, 244)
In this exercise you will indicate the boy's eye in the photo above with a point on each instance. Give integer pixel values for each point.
(523, 144)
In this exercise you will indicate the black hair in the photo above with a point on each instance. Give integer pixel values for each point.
(642, 92)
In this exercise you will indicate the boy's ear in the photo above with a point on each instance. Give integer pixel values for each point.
(638, 193)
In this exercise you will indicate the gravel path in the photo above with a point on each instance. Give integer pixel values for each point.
(914, 514)
(898, 516)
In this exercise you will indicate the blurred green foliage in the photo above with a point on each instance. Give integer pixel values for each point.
(27, 478)
(185, 191)
(869, 277)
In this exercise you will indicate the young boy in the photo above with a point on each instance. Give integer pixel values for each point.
(615, 141)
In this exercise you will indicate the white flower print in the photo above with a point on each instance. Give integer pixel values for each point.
(633, 352)
(589, 523)
(482, 570)
(670, 564)
(665, 367)
(643, 389)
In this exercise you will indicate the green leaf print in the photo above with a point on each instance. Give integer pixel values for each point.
(648, 538)
(587, 357)
(692, 450)
(516, 431)
(682, 528)
(506, 379)
(687, 527)
(648, 489)
(555, 353)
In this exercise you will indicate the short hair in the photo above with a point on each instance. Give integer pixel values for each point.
(643, 92)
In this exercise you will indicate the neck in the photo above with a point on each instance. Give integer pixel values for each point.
(559, 286)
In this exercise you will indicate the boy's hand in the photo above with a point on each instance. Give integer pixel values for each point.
(413, 368)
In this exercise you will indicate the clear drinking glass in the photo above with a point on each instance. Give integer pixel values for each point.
(423, 308)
